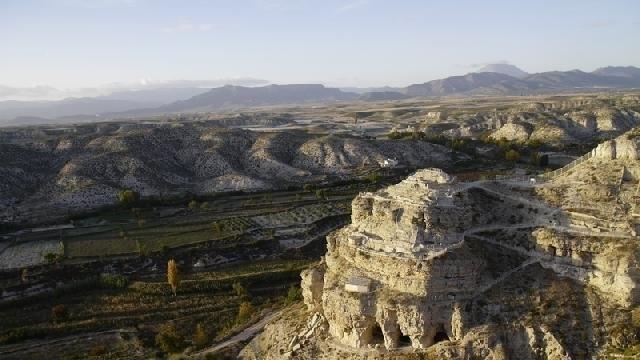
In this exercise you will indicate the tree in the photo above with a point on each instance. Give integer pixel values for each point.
(200, 336)
(52, 258)
(244, 312)
(544, 161)
(59, 313)
(294, 294)
(193, 204)
(512, 155)
(173, 277)
(239, 289)
(128, 197)
(169, 339)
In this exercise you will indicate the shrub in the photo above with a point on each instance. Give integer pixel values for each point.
(193, 204)
(169, 339)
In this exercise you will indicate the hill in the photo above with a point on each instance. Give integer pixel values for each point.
(239, 96)
(506, 69)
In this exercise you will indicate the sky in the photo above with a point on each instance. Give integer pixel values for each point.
(84, 43)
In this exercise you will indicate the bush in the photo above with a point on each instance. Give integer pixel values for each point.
(169, 340)
(193, 204)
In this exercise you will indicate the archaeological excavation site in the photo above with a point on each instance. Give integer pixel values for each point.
(520, 267)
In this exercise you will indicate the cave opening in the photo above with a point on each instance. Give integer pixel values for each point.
(404, 340)
(377, 337)
(441, 334)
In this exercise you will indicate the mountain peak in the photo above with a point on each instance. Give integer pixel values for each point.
(506, 69)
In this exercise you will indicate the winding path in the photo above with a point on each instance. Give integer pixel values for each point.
(242, 336)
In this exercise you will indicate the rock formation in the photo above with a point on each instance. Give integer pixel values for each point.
(488, 269)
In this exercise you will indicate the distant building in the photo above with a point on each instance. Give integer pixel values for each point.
(389, 163)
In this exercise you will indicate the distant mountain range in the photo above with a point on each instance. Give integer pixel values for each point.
(499, 83)
(503, 79)
(239, 96)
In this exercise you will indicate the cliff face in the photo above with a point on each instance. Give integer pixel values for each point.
(488, 269)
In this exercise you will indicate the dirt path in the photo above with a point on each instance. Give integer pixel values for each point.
(242, 336)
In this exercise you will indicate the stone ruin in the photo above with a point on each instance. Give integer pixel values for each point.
(391, 278)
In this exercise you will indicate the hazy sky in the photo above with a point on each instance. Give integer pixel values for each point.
(72, 43)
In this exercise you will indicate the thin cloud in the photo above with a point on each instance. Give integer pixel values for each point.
(352, 5)
(94, 4)
(187, 27)
(600, 24)
(477, 65)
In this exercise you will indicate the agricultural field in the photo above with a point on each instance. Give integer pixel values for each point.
(125, 314)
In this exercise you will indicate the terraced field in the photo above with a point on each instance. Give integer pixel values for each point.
(137, 309)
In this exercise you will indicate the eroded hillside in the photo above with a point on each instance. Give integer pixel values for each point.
(48, 175)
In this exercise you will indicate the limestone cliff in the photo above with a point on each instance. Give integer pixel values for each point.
(509, 269)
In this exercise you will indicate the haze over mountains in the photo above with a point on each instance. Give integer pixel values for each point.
(492, 79)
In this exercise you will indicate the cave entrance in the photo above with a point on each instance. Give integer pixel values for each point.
(377, 337)
(404, 340)
(441, 334)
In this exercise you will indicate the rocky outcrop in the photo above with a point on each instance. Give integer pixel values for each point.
(480, 270)
(513, 132)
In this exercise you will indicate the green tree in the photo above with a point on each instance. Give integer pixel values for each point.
(293, 295)
(245, 311)
(193, 204)
(128, 197)
(374, 177)
(239, 289)
(512, 155)
(52, 258)
(169, 339)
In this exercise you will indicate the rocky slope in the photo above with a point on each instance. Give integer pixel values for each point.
(46, 174)
(513, 269)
